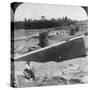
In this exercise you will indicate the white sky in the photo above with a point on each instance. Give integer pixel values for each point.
(35, 11)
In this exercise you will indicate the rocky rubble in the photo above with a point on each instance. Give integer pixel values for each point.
(25, 49)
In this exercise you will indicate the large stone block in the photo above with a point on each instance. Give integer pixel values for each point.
(63, 51)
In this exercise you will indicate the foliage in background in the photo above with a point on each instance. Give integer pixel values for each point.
(43, 23)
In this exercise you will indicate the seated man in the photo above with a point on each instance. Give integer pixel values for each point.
(28, 72)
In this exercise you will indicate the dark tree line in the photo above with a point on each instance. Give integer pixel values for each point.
(40, 24)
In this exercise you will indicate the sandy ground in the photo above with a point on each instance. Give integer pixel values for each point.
(51, 73)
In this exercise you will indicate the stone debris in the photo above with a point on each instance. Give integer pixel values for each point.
(72, 68)
(25, 49)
